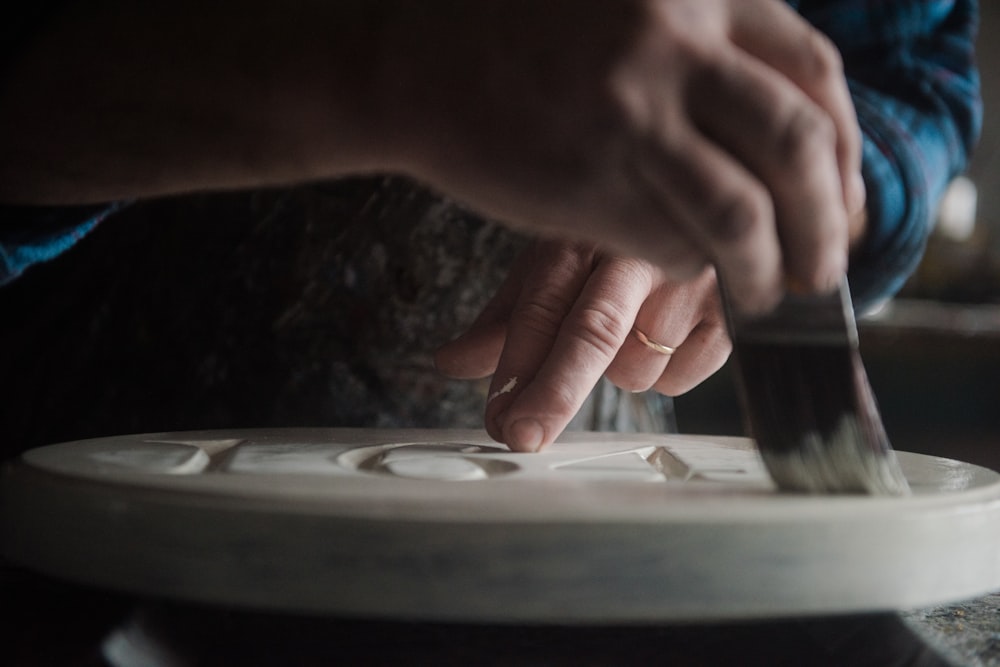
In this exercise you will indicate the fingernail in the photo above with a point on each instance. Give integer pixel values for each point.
(525, 435)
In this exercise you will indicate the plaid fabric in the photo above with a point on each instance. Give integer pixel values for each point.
(912, 72)
(911, 68)
(31, 235)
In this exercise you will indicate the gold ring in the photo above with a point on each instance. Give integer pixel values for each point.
(652, 344)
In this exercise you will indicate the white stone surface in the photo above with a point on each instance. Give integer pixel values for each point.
(449, 525)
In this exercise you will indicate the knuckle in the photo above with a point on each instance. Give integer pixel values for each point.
(803, 133)
(599, 330)
(564, 257)
(542, 313)
(821, 60)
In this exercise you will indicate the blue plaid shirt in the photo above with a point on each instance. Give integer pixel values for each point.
(911, 68)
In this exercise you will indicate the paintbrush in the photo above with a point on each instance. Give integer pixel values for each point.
(806, 398)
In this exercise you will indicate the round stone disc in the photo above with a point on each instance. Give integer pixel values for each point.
(447, 525)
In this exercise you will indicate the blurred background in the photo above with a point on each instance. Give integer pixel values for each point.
(933, 353)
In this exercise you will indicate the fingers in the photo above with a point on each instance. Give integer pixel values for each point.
(786, 42)
(681, 131)
(475, 353)
(763, 161)
(564, 317)
(563, 333)
(790, 144)
(703, 352)
(726, 209)
(687, 317)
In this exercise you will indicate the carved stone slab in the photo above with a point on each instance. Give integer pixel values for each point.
(447, 525)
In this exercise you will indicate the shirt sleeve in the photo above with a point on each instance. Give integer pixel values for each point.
(30, 235)
(911, 68)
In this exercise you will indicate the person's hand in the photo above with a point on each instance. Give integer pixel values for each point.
(564, 317)
(685, 132)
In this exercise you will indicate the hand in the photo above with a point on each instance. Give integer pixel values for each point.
(564, 317)
(685, 132)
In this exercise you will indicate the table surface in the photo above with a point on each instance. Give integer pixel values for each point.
(55, 624)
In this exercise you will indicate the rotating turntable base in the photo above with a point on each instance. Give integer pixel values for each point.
(448, 526)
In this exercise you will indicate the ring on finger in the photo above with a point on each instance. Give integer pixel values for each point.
(652, 344)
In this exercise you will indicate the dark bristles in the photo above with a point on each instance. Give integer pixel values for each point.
(813, 414)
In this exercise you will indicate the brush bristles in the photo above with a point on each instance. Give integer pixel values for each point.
(813, 414)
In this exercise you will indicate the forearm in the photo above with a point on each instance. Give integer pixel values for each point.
(115, 99)
(679, 131)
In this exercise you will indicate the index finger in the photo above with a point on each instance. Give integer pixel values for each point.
(545, 374)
